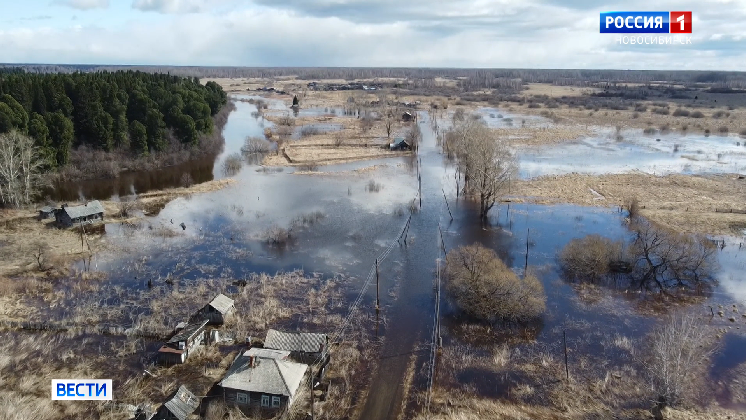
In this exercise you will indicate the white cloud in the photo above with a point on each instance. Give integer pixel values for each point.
(176, 6)
(503, 33)
(84, 4)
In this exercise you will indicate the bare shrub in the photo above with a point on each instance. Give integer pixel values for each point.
(338, 139)
(485, 288)
(632, 205)
(366, 123)
(186, 180)
(286, 120)
(127, 205)
(254, 145)
(742, 132)
(650, 130)
(677, 359)
(589, 259)
(680, 112)
(373, 186)
(723, 129)
(458, 115)
(707, 132)
(277, 235)
(309, 130)
(661, 111)
(309, 166)
(534, 105)
(720, 114)
(232, 164)
(40, 251)
(697, 114)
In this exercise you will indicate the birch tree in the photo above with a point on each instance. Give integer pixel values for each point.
(20, 169)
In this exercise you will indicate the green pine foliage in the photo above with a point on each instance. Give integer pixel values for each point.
(127, 111)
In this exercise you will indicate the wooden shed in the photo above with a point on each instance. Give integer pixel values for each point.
(179, 406)
(218, 310)
(91, 212)
(46, 212)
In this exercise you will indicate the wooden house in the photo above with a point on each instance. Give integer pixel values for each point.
(90, 212)
(178, 407)
(217, 311)
(400, 143)
(263, 378)
(46, 212)
(185, 341)
(304, 347)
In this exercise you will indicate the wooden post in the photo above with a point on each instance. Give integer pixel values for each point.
(419, 188)
(378, 300)
(564, 339)
(311, 394)
(525, 269)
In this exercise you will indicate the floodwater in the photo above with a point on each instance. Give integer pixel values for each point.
(657, 154)
(225, 232)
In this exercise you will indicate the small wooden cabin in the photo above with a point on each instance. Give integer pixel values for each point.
(218, 310)
(179, 406)
(186, 340)
(91, 212)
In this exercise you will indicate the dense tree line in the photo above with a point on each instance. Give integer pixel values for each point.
(470, 79)
(125, 110)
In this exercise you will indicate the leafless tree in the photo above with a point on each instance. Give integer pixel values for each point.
(338, 138)
(389, 119)
(232, 164)
(40, 251)
(484, 287)
(366, 123)
(677, 358)
(414, 136)
(665, 259)
(20, 169)
(127, 205)
(485, 160)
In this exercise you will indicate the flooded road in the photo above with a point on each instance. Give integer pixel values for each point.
(338, 225)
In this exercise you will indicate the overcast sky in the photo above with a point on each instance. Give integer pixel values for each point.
(386, 33)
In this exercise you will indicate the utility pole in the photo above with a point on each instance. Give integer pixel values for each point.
(528, 231)
(564, 339)
(378, 288)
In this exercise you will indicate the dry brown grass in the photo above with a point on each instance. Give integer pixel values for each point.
(681, 202)
(20, 231)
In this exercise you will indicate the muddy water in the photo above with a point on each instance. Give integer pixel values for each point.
(225, 232)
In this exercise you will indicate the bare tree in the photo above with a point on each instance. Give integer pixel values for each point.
(589, 259)
(665, 259)
(414, 136)
(253, 145)
(40, 251)
(389, 119)
(186, 180)
(20, 169)
(485, 160)
(484, 287)
(677, 358)
(127, 205)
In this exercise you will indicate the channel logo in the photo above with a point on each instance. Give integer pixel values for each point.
(81, 389)
(646, 22)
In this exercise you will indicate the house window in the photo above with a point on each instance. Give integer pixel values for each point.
(275, 402)
(242, 398)
(265, 400)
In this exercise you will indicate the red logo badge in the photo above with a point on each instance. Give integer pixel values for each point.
(680, 22)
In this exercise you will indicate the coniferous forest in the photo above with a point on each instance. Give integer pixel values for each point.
(125, 113)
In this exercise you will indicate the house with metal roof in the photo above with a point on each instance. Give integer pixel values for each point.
(177, 349)
(90, 212)
(303, 347)
(218, 310)
(400, 143)
(265, 378)
(179, 407)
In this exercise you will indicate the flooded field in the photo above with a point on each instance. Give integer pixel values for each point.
(656, 154)
(335, 222)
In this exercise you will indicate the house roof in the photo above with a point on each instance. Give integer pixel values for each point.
(92, 207)
(46, 209)
(190, 330)
(182, 404)
(273, 373)
(307, 342)
(222, 303)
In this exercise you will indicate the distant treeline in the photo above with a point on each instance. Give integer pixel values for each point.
(469, 78)
(127, 111)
